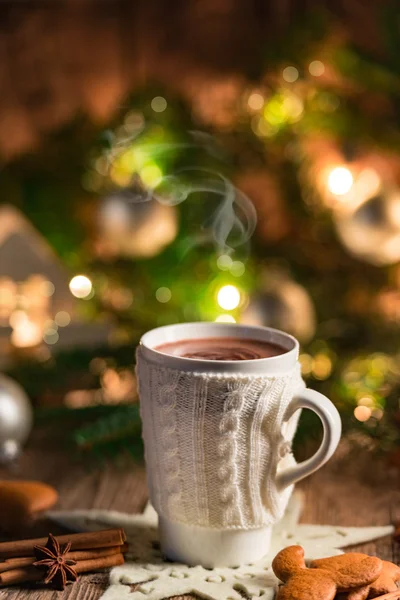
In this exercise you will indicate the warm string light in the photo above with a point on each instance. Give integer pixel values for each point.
(255, 101)
(134, 161)
(362, 413)
(26, 308)
(365, 378)
(81, 286)
(340, 181)
(128, 162)
(30, 315)
(322, 366)
(26, 333)
(229, 297)
(117, 387)
(319, 366)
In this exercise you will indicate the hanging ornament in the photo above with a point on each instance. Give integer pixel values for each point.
(371, 229)
(134, 224)
(364, 198)
(15, 418)
(283, 304)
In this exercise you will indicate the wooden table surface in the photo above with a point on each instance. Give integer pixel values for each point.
(353, 490)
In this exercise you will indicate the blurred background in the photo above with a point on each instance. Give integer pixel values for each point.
(219, 160)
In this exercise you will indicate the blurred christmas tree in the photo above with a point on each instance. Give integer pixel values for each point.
(150, 217)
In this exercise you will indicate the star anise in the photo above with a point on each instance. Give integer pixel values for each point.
(52, 558)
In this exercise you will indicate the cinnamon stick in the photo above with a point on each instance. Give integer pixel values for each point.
(80, 541)
(81, 555)
(78, 555)
(22, 575)
(30, 573)
(95, 564)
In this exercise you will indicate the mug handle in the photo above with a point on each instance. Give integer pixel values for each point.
(332, 424)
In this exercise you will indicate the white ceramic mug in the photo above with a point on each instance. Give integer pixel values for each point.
(218, 442)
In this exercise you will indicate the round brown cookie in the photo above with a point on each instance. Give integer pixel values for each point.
(351, 573)
(386, 581)
(351, 570)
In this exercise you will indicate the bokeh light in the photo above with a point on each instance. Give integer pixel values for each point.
(340, 181)
(290, 74)
(377, 414)
(224, 262)
(285, 107)
(133, 121)
(255, 101)
(228, 297)
(365, 401)
(262, 128)
(306, 362)
(316, 68)
(62, 318)
(159, 104)
(51, 336)
(26, 333)
(163, 294)
(47, 288)
(151, 175)
(237, 268)
(362, 413)
(80, 286)
(322, 366)
(225, 319)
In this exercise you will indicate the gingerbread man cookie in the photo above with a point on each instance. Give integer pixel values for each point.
(385, 583)
(22, 501)
(351, 572)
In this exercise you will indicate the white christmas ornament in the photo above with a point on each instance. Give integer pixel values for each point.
(371, 230)
(15, 418)
(283, 304)
(132, 224)
(157, 579)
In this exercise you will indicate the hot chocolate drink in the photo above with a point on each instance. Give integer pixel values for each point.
(221, 348)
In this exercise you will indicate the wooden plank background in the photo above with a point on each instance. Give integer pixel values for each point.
(63, 58)
(353, 490)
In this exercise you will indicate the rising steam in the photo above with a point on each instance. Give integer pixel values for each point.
(233, 221)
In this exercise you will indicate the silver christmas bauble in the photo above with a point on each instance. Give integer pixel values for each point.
(372, 231)
(15, 418)
(135, 226)
(283, 305)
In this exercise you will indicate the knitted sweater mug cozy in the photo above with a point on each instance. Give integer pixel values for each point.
(218, 438)
(213, 444)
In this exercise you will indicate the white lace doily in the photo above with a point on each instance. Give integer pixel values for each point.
(159, 579)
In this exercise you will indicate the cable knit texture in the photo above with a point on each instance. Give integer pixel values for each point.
(213, 443)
